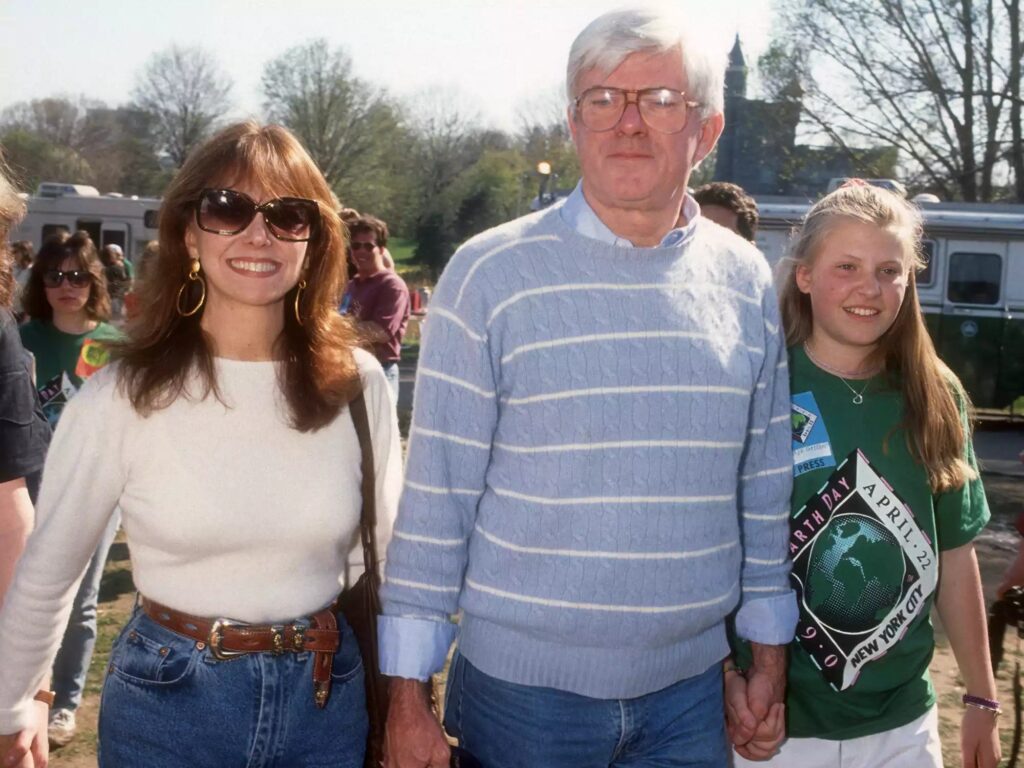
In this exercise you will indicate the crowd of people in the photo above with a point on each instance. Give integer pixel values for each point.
(670, 509)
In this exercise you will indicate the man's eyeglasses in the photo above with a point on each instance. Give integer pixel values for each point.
(357, 246)
(662, 109)
(228, 212)
(77, 278)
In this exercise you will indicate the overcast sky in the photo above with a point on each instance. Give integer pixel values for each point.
(499, 55)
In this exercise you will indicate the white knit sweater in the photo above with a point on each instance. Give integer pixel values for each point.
(228, 511)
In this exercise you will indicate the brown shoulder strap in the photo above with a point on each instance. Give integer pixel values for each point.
(368, 519)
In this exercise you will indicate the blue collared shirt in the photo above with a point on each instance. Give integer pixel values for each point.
(577, 213)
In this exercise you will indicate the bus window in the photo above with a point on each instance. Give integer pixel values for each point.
(114, 237)
(92, 227)
(49, 230)
(927, 275)
(974, 278)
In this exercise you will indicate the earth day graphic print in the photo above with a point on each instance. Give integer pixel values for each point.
(862, 568)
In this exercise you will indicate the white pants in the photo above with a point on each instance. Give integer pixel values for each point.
(914, 745)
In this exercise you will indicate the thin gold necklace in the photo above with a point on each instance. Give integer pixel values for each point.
(858, 397)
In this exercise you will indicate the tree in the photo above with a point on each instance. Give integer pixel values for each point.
(1016, 153)
(933, 79)
(119, 145)
(56, 119)
(185, 91)
(446, 141)
(349, 127)
(35, 158)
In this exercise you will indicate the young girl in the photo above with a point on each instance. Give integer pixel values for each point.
(886, 503)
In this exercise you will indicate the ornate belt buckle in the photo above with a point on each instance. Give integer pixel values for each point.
(217, 636)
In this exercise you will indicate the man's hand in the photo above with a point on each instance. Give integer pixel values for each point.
(766, 679)
(413, 737)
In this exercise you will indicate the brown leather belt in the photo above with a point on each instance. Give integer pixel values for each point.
(228, 639)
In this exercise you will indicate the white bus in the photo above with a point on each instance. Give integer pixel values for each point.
(129, 222)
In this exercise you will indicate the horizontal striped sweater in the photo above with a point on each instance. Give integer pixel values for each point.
(599, 464)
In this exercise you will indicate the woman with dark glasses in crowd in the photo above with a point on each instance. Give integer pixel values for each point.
(24, 433)
(224, 432)
(67, 300)
(68, 305)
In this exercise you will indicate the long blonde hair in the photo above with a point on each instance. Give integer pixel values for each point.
(931, 391)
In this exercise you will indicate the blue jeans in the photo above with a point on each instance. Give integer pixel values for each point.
(505, 725)
(72, 663)
(391, 373)
(168, 703)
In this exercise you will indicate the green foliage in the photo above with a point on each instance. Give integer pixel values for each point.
(34, 158)
(85, 142)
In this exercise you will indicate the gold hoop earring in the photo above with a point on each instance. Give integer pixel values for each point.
(298, 293)
(193, 275)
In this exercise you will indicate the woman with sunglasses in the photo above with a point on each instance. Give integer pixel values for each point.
(226, 433)
(66, 298)
(68, 305)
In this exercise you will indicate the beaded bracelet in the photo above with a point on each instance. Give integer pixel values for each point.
(979, 702)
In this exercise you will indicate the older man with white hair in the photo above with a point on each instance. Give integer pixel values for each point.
(599, 467)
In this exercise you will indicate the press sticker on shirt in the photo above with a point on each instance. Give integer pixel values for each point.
(811, 446)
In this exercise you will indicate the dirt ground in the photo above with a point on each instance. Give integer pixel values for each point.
(996, 548)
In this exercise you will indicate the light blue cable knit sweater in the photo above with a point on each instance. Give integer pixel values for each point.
(599, 464)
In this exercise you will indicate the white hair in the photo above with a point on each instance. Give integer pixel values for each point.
(609, 39)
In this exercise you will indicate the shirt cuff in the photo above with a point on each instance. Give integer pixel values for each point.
(768, 620)
(413, 648)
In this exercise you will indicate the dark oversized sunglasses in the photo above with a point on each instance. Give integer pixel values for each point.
(228, 212)
(361, 246)
(77, 278)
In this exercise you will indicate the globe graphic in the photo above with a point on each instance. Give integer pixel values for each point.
(855, 573)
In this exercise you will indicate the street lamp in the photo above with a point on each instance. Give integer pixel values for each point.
(544, 169)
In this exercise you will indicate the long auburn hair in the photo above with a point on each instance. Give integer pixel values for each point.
(12, 209)
(57, 249)
(317, 371)
(931, 391)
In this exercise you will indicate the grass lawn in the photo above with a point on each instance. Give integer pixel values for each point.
(401, 251)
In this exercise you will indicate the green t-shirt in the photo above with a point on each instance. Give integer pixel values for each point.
(65, 360)
(864, 536)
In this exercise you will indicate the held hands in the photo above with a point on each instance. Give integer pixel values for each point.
(28, 748)
(752, 739)
(413, 738)
(979, 739)
(755, 714)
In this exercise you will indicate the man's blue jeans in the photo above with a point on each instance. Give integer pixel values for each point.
(168, 703)
(505, 725)
(72, 662)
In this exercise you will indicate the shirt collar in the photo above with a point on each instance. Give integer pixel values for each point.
(577, 213)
